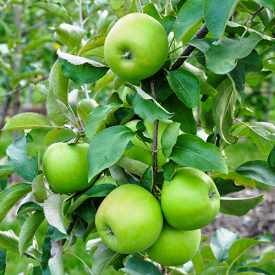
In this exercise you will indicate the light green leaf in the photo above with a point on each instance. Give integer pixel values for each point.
(28, 230)
(151, 10)
(146, 180)
(107, 148)
(120, 7)
(6, 66)
(216, 270)
(56, 262)
(36, 43)
(254, 79)
(269, 4)
(94, 42)
(26, 121)
(8, 241)
(264, 258)
(133, 166)
(51, 135)
(192, 151)
(53, 207)
(73, 101)
(217, 14)
(108, 78)
(5, 170)
(190, 13)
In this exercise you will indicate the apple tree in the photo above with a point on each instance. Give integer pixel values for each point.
(151, 94)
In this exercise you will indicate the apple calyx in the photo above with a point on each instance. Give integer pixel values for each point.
(110, 231)
(127, 55)
(211, 194)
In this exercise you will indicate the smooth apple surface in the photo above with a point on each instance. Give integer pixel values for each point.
(85, 106)
(174, 247)
(66, 167)
(129, 220)
(136, 47)
(190, 200)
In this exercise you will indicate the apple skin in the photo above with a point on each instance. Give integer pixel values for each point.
(126, 91)
(85, 106)
(174, 247)
(66, 167)
(191, 200)
(134, 216)
(136, 47)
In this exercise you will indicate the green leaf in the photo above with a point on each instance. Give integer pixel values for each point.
(190, 13)
(80, 69)
(51, 135)
(96, 191)
(240, 246)
(39, 189)
(198, 263)
(251, 271)
(73, 101)
(186, 86)
(264, 258)
(137, 266)
(107, 148)
(3, 260)
(28, 207)
(254, 79)
(94, 42)
(269, 65)
(146, 180)
(182, 114)
(102, 258)
(221, 58)
(135, 6)
(133, 166)
(169, 138)
(57, 110)
(258, 170)
(207, 253)
(55, 263)
(269, 4)
(46, 255)
(253, 62)
(271, 160)
(216, 14)
(8, 240)
(26, 121)
(223, 110)
(3, 183)
(69, 35)
(227, 186)
(167, 23)
(33, 44)
(151, 10)
(19, 161)
(37, 270)
(192, 151)
(97, 118)
(120, 7)
(147, 108)
(169, 169)
(206, 89)
(5, 170)
(216, 270)
(54, 8)
(55, 234)
(28, 230)
(6, 66)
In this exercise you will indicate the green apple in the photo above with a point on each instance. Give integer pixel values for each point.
(85, 106)
(136, 47)
(129, 220)
(190, 200)
(105, 180)
(66, 167)
(174, 247)
(125, 92)
(140, 151)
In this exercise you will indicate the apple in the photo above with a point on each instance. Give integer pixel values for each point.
(129, 220)
(174, 247)
(66, 167)
(126, 91)
(190, 200)
(136, 47)
(85, 106)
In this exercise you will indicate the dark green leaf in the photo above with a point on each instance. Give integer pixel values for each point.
(169, 169)
(271, 159)
(80, 69)
(227, 186)
(3, 260)
(46, 255)
(151, 10)
(186, 86)
(146, 180)
(28, 207)
(253, 62)
(258, 170)
(167, 23)
(3, 183)
(37, 270)
(86, 211)
(123, 115)
(107, 148)
(192, 151)
(206, 113)
(269, 4)
(55, 234)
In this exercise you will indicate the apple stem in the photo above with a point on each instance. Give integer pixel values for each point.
(211, 194)
(110, 231)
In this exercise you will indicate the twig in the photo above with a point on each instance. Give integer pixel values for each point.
(70, 227)
(17, 90)
(218, 140)
(253, 16)
(163, 270)
(29, 255)
(37, 26)
(189, 49)
(4, 111)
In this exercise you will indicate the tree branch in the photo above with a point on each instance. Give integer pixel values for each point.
(253, 16)
(189, 49)
(19, 89)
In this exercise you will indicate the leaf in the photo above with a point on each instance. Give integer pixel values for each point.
(251, 271)
(46, 255)
(198, 263)
(147, 108)
(169, 138)
(107, 148)
(54, 8)
(28, 207)
(167, 23)
(137, 266)
(5, 170)
(97, 118)
(26, 121)
(169, 169)
(254, 79)
(271, 160)
(28, 230)
(8, 240)
(94, 42)
(56, 262)
(146, 180)
(37, 270)
(135, 6)
(133, 166)
(227, 186)
(258, 170)
(186, 86)
(216, 14)
(182, 114)
(10, 196)
(53, 207)
(6, 66)
(190, 13)
(240, 246)
(269, 4)
(80, 69)
(55, 234)
(39, 189)
(151, 10)
(3, 260)
(51, 135)
(192, 151)
(223, 110)
(102, 258)
(96, 191)
(207, 253)
(221, 58)
(264, 258)
(92, 245)
(73, 101)
(252, 62)
(216, 270)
